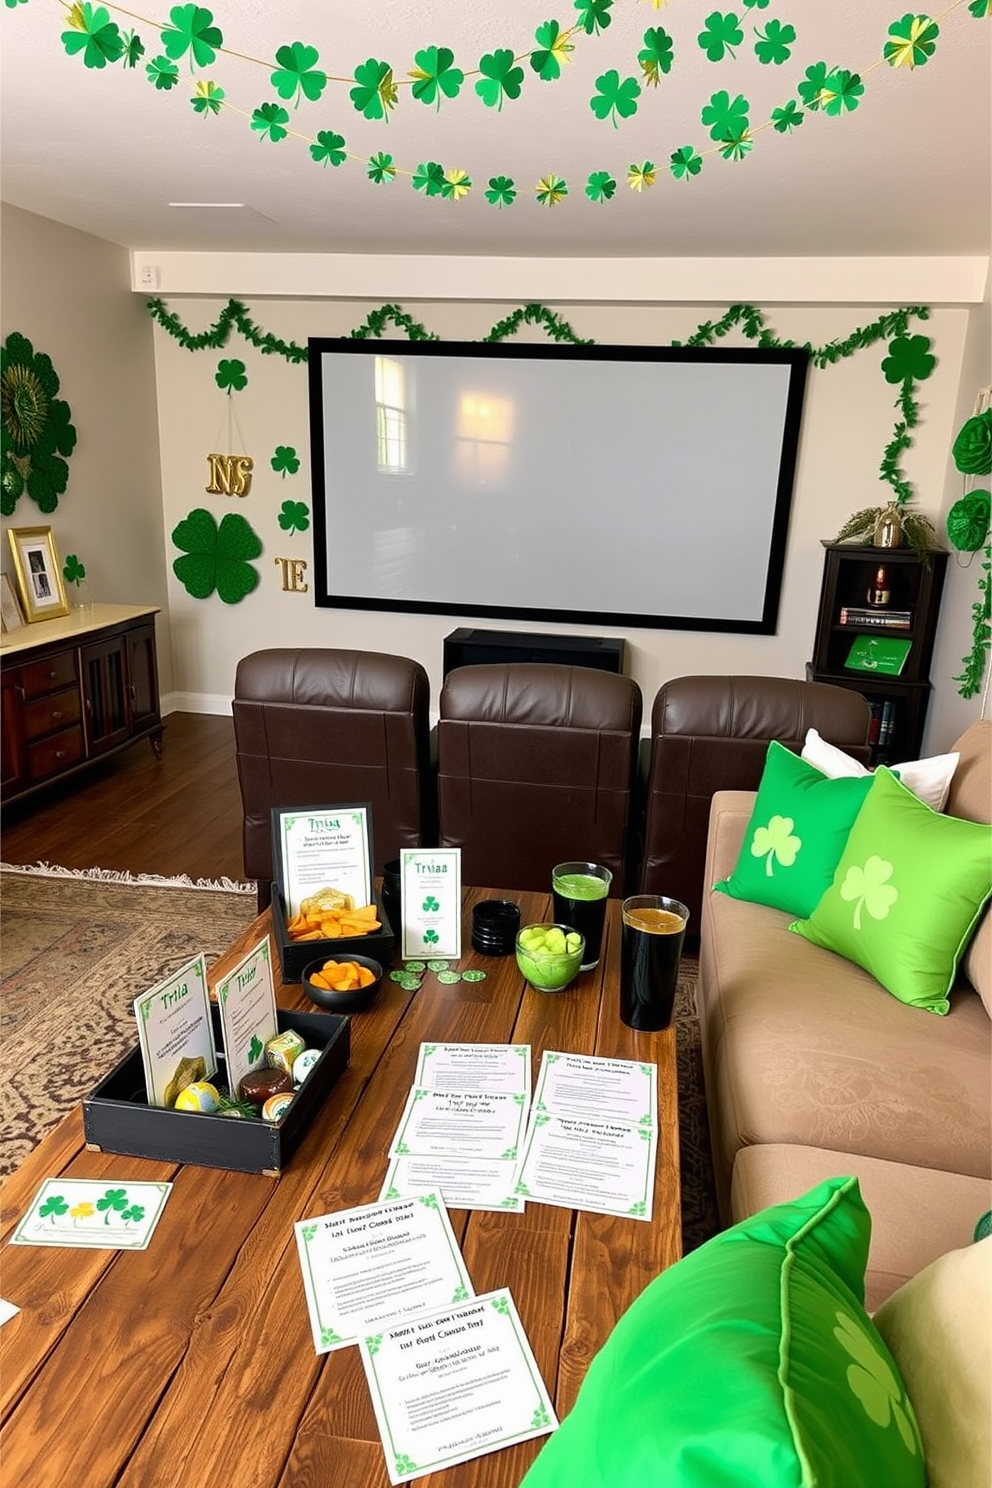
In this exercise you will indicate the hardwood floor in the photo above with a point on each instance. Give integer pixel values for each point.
(180, 814)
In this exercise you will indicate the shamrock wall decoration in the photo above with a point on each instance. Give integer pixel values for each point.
(294, 516)
(285, 461)
(216, 557)
(36, 435)
(231, 375)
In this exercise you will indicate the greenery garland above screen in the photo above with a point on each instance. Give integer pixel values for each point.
(908, 361)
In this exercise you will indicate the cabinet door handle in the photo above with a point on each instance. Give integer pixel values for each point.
(56, 713)
(53, 675)
(60, 754)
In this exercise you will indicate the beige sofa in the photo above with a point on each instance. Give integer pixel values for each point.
(812, 1069)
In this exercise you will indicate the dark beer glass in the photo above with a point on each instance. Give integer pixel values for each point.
(650, 954)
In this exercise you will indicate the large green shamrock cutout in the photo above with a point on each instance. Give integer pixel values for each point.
(294, 516)
(285, 460)
(231, 375)
(192, 31)
(656, 55)
(501, 78)
(381, 169)
(216, 557)
(722, 33)
(375, 94)
(868, 888)
(776, 842)
(297, 75)
(553, 47)
(35, 432)
(909, 357)
(614, 98)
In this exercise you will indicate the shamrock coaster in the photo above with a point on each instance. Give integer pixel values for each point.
(449, 977)
(473, 976)
(437, 966)
(415, 965)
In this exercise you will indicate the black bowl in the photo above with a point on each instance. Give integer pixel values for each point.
(343, 1002)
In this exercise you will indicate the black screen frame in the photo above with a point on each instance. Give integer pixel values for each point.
(796, 358)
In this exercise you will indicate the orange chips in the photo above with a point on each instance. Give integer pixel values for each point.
(334, 924)
(341, 976)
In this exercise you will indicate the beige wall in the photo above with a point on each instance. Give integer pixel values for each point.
(69, 293)
(849, 417)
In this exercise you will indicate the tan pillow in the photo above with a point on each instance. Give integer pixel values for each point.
(938, 1327)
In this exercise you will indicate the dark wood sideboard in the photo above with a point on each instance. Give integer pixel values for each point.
(76, 689)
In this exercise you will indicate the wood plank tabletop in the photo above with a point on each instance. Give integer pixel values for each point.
(193, 1360)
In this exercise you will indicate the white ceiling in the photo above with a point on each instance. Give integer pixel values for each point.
(907, 173)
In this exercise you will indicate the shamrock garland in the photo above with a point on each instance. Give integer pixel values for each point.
(36, 436)
(498, 79)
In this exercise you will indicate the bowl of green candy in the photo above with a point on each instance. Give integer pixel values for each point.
(549, 956)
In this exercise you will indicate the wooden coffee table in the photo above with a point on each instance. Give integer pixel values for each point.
(193, 1361)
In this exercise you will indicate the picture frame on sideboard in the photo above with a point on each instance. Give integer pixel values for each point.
(38, 573)
(10, 611)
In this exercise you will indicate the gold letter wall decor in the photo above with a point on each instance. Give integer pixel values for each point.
(230, 475)
(294, 575)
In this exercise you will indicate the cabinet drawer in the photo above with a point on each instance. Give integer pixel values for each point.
(52, 713)
(54, 754)
(39, 677)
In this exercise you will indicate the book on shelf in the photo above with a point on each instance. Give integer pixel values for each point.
(885, 655)
(862, 615)
(886, 722)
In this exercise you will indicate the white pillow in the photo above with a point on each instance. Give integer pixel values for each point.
(928, 779)
(938, 1327)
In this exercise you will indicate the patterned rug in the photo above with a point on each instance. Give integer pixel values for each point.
(77, 949)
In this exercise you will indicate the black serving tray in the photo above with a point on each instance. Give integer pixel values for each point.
(118, 1118)
(296, 955)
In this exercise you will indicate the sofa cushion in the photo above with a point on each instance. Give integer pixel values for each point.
(917, 1214)
(796, 835)
(929, 779)
(907, 894)
(971, 796)
(939, 1329)
(800, 1046)
(752, 1362)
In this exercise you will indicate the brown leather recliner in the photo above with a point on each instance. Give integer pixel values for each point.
(536, 766)
(710, 734)
(319, 727)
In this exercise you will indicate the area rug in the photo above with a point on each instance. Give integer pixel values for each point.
(77, 948)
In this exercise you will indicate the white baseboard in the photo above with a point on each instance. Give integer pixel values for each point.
(195, 702)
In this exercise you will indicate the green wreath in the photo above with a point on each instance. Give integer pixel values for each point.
(35, 432)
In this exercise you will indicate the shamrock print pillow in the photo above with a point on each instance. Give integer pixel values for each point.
(907, 894)
(797, 832)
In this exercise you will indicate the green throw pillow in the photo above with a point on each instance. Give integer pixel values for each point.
(796, 834)
(750, 1364)
(907, 893)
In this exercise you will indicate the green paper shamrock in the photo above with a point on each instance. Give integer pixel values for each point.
(614, 98)
(968, 521)
(776, 842)
(162, 73)
(36, 435)
(54, 1204)
(381, 169)
(972, 449)
(134, 49)
(231, 375)
(296, 76)
(207, 99)
(601, 187)
(435, 75)
(879, 1390)
(774, 44)
(285, 460)
(721, 35)
(550, 190)
(551, 52)
(656, 56)
(757, 4)
(500, 79)
(270, 122)
(429, 178)
(980, 9)
(913, 43)
(294, 516)
(194, 33)
(641, 177)
(375, 94)
(216, 557)
(810, 90)
(502, 192)
(869, 887)
(73, 571)
(909, 358)
(594, 15)
(94, 34)
(737, 144)
(456, 184)
(789, 116)
(329, 148)
(685, 163)
(723, 117)
(842, 91)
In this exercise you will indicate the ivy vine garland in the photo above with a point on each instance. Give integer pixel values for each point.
(36, 435)
(192, 41)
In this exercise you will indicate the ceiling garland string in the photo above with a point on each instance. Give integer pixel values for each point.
(191, 42)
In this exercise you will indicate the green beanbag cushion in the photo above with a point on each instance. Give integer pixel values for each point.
(797, 832)
(750, 1364)
(907, 894)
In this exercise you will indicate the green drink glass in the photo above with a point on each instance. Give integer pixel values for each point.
(580, 891)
